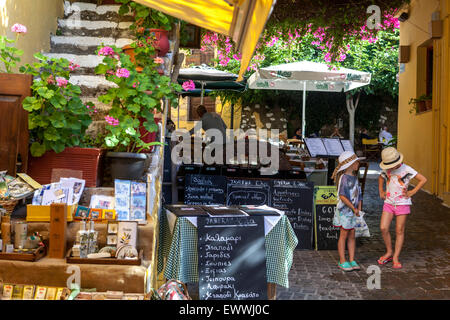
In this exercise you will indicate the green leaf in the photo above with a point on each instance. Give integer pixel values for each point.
(58, 147)
(51, 134)
(111, 141)
(37, 149)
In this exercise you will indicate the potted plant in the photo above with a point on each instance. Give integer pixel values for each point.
(58, 120)
(421, 104)
(17, 85)
(148, 24)
(134, 100)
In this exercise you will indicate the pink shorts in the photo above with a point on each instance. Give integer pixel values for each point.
(397, 210)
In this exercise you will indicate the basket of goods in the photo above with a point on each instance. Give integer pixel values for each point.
(8, 205)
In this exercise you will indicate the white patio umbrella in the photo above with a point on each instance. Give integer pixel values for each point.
(311, 76)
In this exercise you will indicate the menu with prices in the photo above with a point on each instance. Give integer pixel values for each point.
(232, 258)
(333, 146)
(315, 147)
(347, 145)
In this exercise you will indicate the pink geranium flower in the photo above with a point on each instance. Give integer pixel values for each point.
(62, 82)
(123, 73)
(106, 51)
(73, 66)
(158, 60)
(112, 121)
(188, 85)
(19, 28)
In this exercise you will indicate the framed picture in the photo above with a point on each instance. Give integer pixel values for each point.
(113, 227)
(109, 214)
(111, 240)
(96, 214)
(193, 34)
(81, 213)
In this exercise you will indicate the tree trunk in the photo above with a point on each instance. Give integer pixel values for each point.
(351, 108)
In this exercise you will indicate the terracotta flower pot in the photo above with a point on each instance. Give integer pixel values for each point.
(422, 107)
(146, 136)
(130, 51)
(162, 41)
(86, 160)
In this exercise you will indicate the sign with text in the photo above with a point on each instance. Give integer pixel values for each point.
(295, 198)
(326, 235)
(248, 192)
(232, 258)
(205, 190)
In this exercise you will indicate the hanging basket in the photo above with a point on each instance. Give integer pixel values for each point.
(8, 205)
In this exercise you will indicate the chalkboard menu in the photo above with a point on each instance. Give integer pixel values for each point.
(326, 235)
(295, 198)
(205, 190)
(248, 192)
(232, 258)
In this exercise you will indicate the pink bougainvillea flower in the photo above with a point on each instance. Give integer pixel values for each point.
(112, 121)
(158, 60)
(19, 28)
(62, 82)
(123, 73)
(188, 85)
(106, 51)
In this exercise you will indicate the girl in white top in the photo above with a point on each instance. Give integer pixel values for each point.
(397, 200)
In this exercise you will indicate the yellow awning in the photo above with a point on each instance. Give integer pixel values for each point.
(242, 20)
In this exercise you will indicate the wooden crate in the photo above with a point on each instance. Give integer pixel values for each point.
(33, 256)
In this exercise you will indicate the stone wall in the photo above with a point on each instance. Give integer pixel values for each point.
(261, 116)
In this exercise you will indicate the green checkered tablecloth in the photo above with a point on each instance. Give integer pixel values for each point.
(177, 251)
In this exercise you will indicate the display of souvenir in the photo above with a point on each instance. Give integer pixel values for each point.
(126, 252)
(7, 291)
(138, 201)
(122, 196)
(108, 214)
(95, 214)
(127, 233)
(113, 227)
(102, 202)
(82, 213)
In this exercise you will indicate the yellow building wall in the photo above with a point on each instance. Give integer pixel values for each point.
(40, 18)
(415, 132)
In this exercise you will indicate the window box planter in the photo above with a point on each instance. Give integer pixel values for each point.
(86, 160)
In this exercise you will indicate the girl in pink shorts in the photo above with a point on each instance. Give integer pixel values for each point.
(397, 200)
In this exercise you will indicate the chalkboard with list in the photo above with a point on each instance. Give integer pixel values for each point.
(232, 258)
(326, 235)
(295, 198)
(248, 192)
(205, 189)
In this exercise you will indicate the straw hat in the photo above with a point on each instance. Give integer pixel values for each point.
(390, 158)
(346, 159)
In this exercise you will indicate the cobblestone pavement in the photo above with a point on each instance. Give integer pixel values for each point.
(425, 258)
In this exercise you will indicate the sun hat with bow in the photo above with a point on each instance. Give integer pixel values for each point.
(346, 159)
(390, 158)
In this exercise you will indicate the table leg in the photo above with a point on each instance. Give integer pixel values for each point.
(271, 291)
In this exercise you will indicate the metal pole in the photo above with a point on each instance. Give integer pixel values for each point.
(232, 117)
(201, 99)
(304, 110)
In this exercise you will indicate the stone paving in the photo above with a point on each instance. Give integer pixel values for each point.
(425, 258)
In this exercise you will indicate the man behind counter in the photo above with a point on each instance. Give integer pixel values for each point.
(209, 120)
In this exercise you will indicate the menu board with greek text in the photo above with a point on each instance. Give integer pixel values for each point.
(232, 258)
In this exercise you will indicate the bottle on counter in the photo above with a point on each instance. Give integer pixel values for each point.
(92, 236)
(83, 240)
